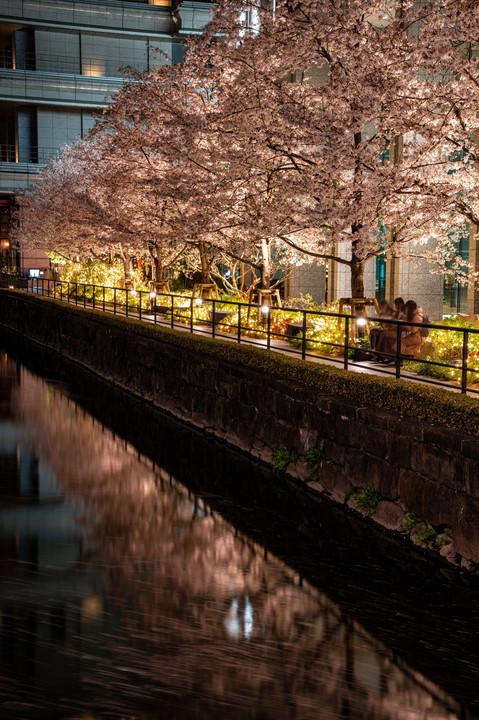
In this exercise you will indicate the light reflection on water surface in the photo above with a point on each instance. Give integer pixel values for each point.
(122, 595)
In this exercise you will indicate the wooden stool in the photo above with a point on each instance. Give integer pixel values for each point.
(263, 297)
(206, 291)
(159, 286)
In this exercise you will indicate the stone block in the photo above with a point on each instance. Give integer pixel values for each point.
(411, 491)
(399, 450)
(438, 464)
(386, 479)
(471, 477)
(336, 486)
(470, 447)
(389, 515)
(444, 438)
(466, 528)
(342, 409)
(378, 418)
(349, 433)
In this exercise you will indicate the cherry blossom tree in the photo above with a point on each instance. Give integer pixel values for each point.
(219, 203)
(438, 109)
(325, 126)
(342, 100)
(91, 201)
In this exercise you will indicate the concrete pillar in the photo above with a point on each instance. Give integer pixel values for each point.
(308, 278)
(472, 290)
(27, 135)
(24, 41)
(416, 282)
(392, 277)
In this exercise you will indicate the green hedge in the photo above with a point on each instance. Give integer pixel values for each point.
(434, 405)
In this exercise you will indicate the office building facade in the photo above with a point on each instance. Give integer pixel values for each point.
(59, 62)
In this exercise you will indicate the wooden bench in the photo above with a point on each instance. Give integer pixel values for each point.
(294, 328)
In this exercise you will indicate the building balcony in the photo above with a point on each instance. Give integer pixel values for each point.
(17, 176)
(45, 88)
(99, 14)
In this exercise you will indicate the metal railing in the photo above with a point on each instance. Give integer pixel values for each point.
(294, 331)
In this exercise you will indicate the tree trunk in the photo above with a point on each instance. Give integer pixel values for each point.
(266, 264)
(126, 260)
(357, 277)
(159, 267)
(205, 265)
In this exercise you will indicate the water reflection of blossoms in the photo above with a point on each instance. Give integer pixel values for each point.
(206, 615)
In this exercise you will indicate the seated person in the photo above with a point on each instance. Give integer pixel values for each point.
(385, 311)
(411, 339)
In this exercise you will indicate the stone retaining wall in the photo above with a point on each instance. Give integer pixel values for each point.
(428, 473)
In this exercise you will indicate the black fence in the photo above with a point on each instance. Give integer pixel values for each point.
(336, 338)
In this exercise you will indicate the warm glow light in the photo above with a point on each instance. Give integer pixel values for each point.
(94, 69)
(361, 321)
(265, 309)
(91, 608)
(132, 293)
(153, 295)
(199, 301)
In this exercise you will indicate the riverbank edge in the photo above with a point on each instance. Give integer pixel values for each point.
(412, 478)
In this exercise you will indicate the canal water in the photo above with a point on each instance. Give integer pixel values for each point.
(146, 573)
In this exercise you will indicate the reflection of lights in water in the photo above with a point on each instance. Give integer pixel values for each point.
(248, 618)
(91, 608)
(198, 510)
(233, 620)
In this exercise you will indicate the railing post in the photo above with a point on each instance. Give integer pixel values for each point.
(126, 301)
(68, 292)
(268, 328)
(465, 341)
(303, 344)
(84, 295)
(239, 323)
(172, 311)
(139, 309)
(103, 298)
(114, 301)
(76, 293)
(61, 290)
(43, 286)
(191, 314)
(93, 295)
(398, 350)
(213, 319)
(346, 342)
